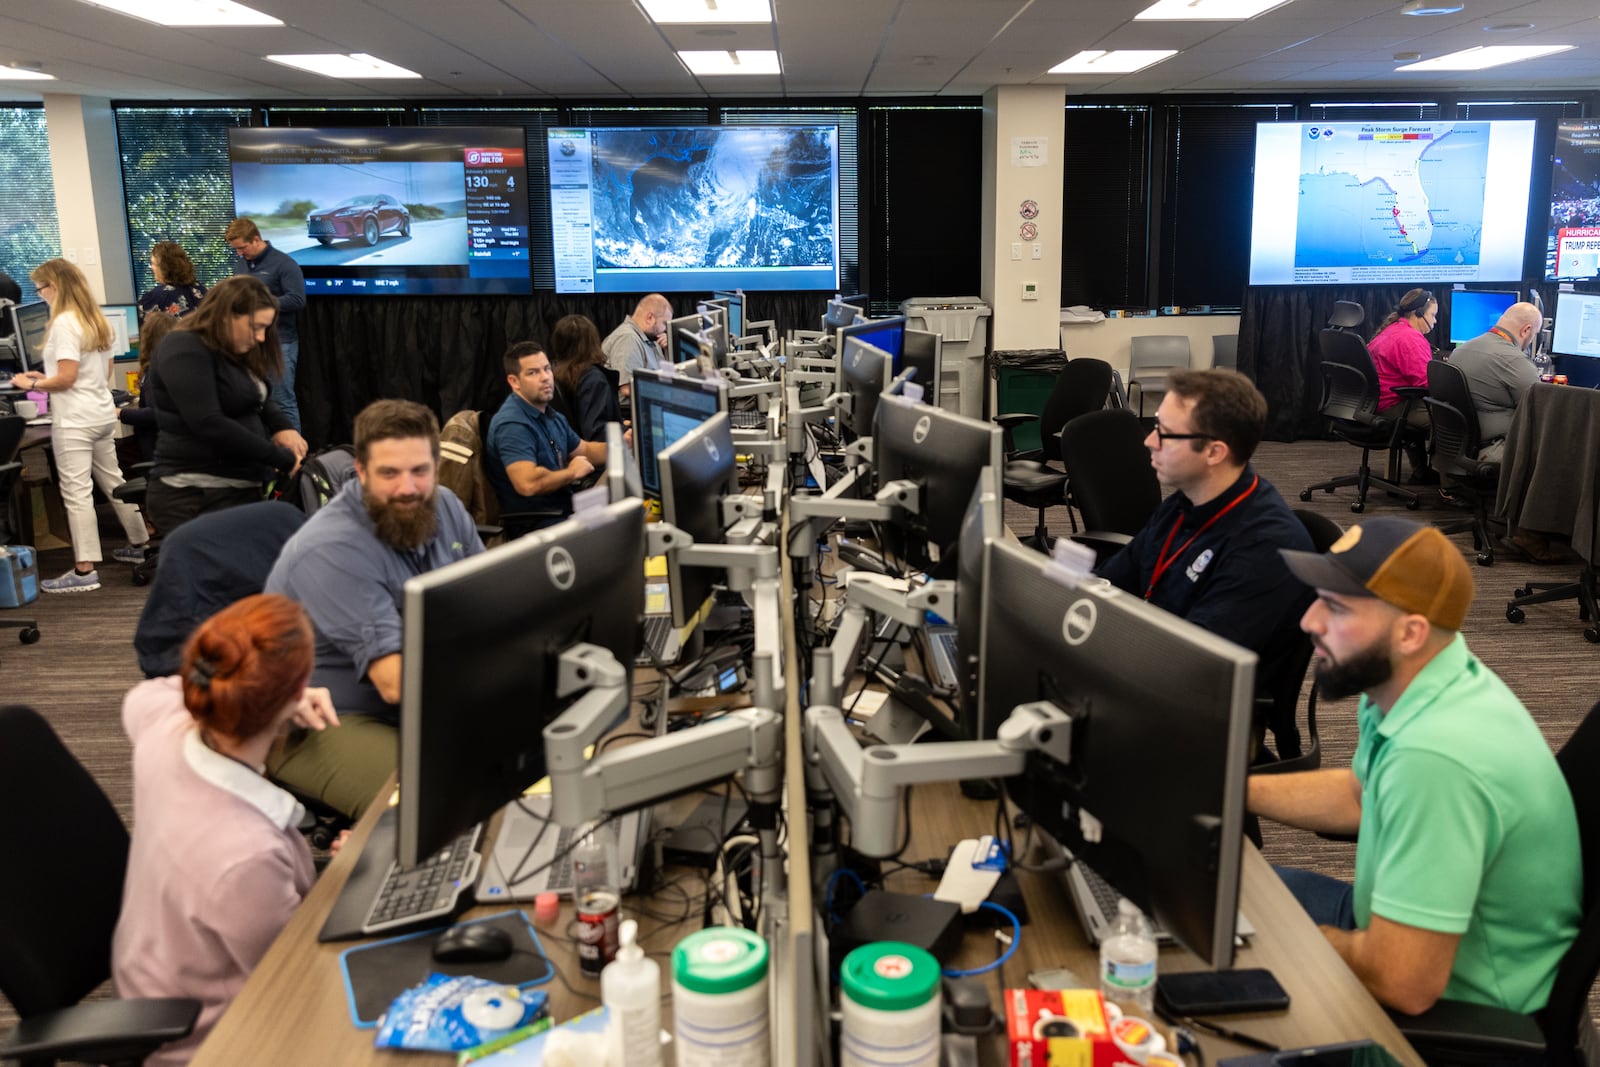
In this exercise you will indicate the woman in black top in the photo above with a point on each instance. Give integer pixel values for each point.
(220, 435)
(582, 378)
(141, 416)
(176, 292)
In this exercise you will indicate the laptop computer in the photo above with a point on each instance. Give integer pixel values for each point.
(1095, 901)
(531, 855)
(663, 642)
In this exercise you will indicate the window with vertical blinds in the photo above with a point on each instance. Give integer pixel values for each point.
(29, 234)
(1105, 213)
(177, 185)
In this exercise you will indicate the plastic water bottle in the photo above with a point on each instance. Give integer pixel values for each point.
(630, 988)
(1128, 959)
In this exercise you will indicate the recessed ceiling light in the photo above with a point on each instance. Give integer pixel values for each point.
(669, 12)
(357, 65)
(1121, 61)
(20, 72)
(1483, 57)
(189, 12)
(742, 61)
(1507, 27)
(1198, 10)
(1422, 8)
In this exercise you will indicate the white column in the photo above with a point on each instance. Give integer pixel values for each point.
(1023, 131)
(90, 206)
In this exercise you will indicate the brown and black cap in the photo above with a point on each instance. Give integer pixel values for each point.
(1401, 562)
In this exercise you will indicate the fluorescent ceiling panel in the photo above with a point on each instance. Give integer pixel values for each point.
(676, 12)
(1486, 56)
(15, 74)
(723, 62)
(357, 65)
(1123, 61)
(189, 12)
(1203, 10)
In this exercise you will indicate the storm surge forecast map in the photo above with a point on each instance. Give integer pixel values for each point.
(1391, 198)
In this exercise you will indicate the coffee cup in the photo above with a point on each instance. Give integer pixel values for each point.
(28, 409)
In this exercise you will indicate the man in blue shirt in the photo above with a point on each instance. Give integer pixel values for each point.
(284, 281)
(534, 456)
(347, 567)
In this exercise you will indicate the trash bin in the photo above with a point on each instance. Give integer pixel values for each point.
(1024, 378)
(963, 322)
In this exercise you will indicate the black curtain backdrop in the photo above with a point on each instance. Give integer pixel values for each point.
(445, 351)
(1278, 347)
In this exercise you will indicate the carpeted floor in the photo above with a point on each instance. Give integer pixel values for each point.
(78, 672)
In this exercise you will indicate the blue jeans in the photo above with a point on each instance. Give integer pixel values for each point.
(283, 388)
(1328, 901)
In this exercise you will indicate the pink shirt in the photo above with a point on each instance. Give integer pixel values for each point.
(215, 869)
(1401, 353)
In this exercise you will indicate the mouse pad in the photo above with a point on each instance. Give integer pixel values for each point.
(377, 973)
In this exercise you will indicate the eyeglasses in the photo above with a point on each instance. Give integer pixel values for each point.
(1162, 436)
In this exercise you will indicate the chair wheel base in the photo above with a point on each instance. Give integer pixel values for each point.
(1485, 559)
(1591, 635)
(1516, 614)
(28, 636)
(1358, 507)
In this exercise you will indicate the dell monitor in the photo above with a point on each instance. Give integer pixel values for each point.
(947, 455)
(984, 521)
(1577, 326)
(665, 407)
(838, 315)
(29, 324)
(1473, 312)
(696, 472)
(923, 351)
(482, 641)
(865, 372)
(622, 468)
(887, 334)
(1160, 738)
(733, 305)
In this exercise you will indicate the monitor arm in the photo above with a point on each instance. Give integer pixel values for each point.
(810, 515)
(872, 593)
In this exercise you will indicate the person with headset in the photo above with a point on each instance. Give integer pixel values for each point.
(1400, 352)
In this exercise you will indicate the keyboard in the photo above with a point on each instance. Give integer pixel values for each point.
(1096, 903)
(944, 656)
(747, 419)
(662, 636)
(428, 890)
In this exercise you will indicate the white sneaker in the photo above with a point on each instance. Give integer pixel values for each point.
(72, 582)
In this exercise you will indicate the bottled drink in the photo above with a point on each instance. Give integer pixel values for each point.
(1128, 959)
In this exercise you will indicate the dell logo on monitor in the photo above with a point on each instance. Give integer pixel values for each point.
(563, 571)
(713, 451)
(1078, 623)
(920, 434)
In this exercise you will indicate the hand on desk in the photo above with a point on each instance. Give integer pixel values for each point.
(316, 710)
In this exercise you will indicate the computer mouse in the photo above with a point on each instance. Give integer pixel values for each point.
(472, 943)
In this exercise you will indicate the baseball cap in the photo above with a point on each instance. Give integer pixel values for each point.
(1401, 562)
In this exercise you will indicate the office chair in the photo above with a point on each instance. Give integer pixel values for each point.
(1113, 485)
(1457, 1032)
(133, 491)
(1454, 450)
(1082, 386)
(1225, 351)
(55, 933)
(1350, 404)
(12, 427)
(512, 526)
(1151, 357)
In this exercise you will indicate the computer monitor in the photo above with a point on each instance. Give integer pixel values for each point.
(887, 334)
(923, 351)
(1473, 312)
(839, 314)
(1577, 326)
(622, 478)
(865, 371)
(481, 644)
(734, 305)
(697, 471)
(948, 456)
(124, 320)
(665, 407)
(29, 324)
(984, 521)
(1160, 738)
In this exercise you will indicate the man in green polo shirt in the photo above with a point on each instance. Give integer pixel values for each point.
(1468, 873)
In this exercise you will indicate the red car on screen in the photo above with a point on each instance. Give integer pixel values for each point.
(360, 218)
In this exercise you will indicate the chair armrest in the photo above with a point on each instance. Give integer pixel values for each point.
(1411, 392)
(102, 1031)
(141, 470)
(488, 530)
(1014, 419)
(1468, 1033)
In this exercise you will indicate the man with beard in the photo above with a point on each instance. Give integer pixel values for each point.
(640, 342)
(1467, 872)
(534, 456)
(347, 567)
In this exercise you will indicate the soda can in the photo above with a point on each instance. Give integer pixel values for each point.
(1548, 379)
(597, 930)
(1561, 379)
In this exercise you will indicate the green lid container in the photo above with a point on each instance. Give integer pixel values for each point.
(889, 976)
(719, 959)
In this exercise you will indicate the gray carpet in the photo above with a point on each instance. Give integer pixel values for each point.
(76, 675)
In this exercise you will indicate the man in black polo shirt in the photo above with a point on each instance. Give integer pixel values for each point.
(1210, 552)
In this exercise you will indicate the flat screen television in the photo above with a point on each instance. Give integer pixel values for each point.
(1390, 203)
(1572, 250)
(691, 208)
(1577, 327)
(404, 211)
(1473, 312)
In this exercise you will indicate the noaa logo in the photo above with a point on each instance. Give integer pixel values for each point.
(920, 434)
(1199, 566)
(563, 571)
(568, 148)
(713, 451)
(472, 157)
(1078, 623)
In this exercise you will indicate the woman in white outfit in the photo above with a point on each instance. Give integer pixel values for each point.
(77, 368)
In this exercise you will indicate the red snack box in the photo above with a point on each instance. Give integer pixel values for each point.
(1059, 1028)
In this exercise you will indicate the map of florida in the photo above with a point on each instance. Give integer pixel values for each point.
(1394, 161)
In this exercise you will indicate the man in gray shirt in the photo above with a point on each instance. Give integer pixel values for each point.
(1499, 373)
(641, 341)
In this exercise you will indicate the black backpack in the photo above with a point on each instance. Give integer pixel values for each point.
(321, 475)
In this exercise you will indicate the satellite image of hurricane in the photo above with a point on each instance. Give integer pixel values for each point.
(729, 197)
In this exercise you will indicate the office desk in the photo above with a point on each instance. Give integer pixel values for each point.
(1550, 477)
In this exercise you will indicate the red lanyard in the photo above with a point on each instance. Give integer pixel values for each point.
(1503, 333)
(1164, 561)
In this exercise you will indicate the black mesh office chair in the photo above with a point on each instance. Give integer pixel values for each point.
(55, 932)
(12, 427)
(1350, 404)
(1453, 446)
(1082, 386)
(1113, 484)
(1460, 1033)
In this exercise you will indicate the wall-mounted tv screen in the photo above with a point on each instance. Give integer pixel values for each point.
(1342, 203)
(1577, 326)
(1572, 250)
(410, 211)
(684, 209)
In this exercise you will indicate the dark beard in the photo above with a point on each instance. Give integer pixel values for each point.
(1359, 674)
(403, 529)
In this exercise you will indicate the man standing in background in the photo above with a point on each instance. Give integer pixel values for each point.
(641, 342)
(287, 284)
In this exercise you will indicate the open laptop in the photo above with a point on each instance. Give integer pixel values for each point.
(1095, 901)
(663, 642)
(532, 854)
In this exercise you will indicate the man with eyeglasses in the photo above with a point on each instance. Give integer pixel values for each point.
(1209, 553)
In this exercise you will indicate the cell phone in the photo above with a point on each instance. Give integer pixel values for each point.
(1220, 992)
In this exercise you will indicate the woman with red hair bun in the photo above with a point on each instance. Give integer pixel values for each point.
(217, 864)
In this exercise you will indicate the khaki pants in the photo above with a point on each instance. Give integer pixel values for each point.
(343, 766)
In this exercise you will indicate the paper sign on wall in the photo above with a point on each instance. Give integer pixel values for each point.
(1030, 151)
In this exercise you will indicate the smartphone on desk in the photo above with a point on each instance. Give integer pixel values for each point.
(1220, 992)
